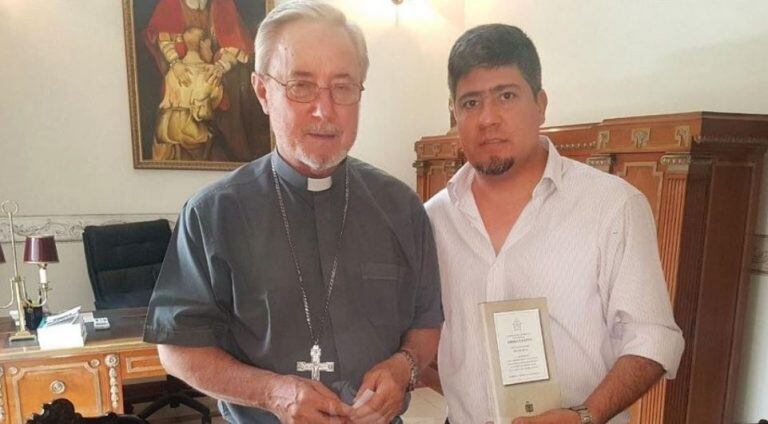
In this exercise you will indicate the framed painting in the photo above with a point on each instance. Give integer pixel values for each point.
(189, 64)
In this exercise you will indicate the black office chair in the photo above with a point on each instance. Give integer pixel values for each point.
(124, 261)
(61, 411)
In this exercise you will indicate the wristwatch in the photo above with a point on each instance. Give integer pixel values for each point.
(586, 417)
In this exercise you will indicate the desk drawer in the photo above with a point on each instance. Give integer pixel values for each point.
(141, 363)
(84, 380)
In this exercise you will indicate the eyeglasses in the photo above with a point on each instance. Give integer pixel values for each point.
(342, 93)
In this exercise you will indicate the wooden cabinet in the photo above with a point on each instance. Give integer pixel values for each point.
(437, 159)
(701, 173)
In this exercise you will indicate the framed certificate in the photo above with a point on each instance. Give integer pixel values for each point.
(520, 354)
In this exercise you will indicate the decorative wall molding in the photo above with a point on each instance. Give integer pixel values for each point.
(68, 228)
(759, 263)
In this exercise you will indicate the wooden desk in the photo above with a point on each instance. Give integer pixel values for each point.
(91, 377)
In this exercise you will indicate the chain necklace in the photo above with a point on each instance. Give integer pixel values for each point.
(315, 366)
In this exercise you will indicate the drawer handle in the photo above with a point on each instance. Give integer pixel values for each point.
(58, 387)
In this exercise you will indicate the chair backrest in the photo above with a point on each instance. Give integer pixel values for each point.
(61, 411)
(124, 261)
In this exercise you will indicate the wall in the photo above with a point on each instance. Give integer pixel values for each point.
(607, 58)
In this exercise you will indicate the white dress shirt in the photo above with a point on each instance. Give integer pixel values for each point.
(587, 242)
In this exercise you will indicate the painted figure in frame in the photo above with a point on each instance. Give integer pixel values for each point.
(203, 49)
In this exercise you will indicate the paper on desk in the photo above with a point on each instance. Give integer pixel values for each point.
(68, 317)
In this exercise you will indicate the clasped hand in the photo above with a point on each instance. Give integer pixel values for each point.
(388, 380)
(297, 400)
(300, 400)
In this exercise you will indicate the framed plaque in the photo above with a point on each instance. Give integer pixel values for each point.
(521, 358)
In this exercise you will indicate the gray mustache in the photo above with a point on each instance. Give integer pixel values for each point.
(328, 129)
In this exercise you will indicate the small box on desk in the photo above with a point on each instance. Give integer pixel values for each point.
(62, 335)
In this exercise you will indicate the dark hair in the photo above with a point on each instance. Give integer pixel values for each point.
(491, 46)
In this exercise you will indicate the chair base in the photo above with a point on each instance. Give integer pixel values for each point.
(174, 401)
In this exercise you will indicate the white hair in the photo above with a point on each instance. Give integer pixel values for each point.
(296, 10)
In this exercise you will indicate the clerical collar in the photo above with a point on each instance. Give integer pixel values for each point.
(294, 178)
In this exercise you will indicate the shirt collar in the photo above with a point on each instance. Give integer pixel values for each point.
(300, 181)
(461, 183)
(553, 171)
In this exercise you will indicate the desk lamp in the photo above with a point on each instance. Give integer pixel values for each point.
(37, 250)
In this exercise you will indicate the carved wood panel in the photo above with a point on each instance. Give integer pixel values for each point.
(682, 262)
(644, 174)
(141, 363)
(32, 383)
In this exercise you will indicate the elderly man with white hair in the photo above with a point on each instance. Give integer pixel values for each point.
(303, 287)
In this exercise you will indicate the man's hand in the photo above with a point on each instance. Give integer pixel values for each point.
(299, 400)
(182, 73)
(388, 380)
(555, 416)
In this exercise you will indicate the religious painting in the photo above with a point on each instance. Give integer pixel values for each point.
(189, 68)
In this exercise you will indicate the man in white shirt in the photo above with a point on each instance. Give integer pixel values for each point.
(520, 221)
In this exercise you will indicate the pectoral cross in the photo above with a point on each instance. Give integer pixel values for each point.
(315, 366)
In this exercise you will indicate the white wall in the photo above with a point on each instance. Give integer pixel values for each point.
(609, 58)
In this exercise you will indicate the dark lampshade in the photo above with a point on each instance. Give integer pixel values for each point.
(2, 257)
(40, 250)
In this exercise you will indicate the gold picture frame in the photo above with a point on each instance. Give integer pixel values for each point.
(205, 117)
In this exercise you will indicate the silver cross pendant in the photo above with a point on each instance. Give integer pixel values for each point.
(315, 366)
